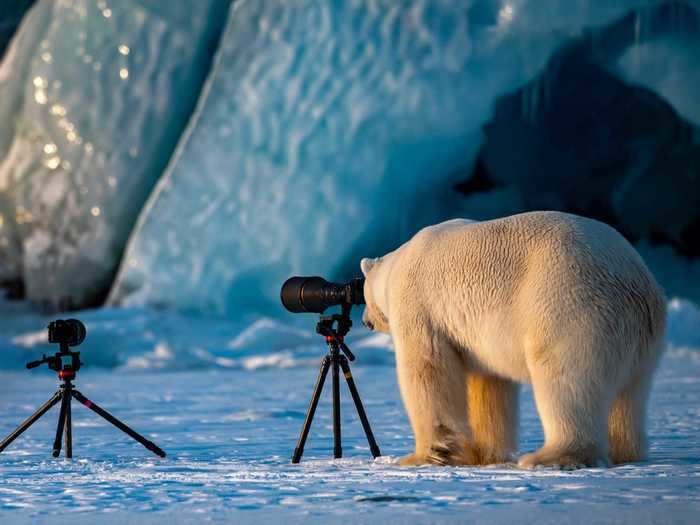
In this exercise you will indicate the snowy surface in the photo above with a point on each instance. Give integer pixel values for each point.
(229, 431)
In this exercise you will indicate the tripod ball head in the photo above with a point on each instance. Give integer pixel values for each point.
(61, 362)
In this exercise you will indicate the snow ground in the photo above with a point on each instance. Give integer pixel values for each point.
(229, 432)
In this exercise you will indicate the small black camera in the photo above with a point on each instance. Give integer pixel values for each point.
(315, 294)
(68, 332)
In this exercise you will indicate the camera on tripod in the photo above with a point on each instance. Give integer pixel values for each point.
(67, 333)
(315, 295)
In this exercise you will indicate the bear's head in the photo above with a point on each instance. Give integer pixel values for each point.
(374, 316)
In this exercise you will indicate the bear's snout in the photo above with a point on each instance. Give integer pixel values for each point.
(368, 324)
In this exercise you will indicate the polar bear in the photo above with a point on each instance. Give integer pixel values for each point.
(556, 300)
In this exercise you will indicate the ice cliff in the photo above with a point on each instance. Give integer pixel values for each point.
(325, 131)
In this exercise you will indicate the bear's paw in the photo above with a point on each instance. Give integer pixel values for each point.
(563, 459)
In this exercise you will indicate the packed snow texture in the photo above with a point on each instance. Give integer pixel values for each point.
(95, 95)
(229, 434)
(331, 131)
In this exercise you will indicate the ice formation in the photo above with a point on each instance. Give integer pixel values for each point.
(668, 67)
(326, 131)
(330, 130)
(95, 96)
(579, 138)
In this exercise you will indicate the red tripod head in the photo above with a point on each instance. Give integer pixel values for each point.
(66, 375)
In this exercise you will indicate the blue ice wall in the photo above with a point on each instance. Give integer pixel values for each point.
(669, 67)
(326, 131)
(95, 94)
(330, 131)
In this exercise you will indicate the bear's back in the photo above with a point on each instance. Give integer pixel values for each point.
(547, 267)
(544, 240)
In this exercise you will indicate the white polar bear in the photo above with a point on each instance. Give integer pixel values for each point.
(556, 300)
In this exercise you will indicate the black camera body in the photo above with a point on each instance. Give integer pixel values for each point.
(68, 332)
(315, 294)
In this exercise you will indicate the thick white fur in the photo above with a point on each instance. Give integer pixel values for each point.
(556, 300)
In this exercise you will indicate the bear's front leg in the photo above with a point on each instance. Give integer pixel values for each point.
(431, 377)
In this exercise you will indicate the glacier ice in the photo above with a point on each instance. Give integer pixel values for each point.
(330, 131)
(95, 96)
(668, 67)
(579, 138)
(326, 131)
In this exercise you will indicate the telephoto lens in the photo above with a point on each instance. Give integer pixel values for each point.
(315, 294)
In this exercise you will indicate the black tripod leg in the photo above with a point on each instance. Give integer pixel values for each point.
(337, 447)
(323, 372)
(68, 429)
(121, 426)
(374, 448)
(65, 400)
(30, 420)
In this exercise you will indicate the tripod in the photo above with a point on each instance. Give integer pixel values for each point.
(336, 360)
(67, 363)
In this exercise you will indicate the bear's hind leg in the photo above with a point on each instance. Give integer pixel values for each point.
(493, 419)
(432, 382)
(626, 422)
(573, 406)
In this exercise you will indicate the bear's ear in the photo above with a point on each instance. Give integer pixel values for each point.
(366, 265)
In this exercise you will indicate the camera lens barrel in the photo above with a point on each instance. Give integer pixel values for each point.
(301, 294)
(315, 294)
